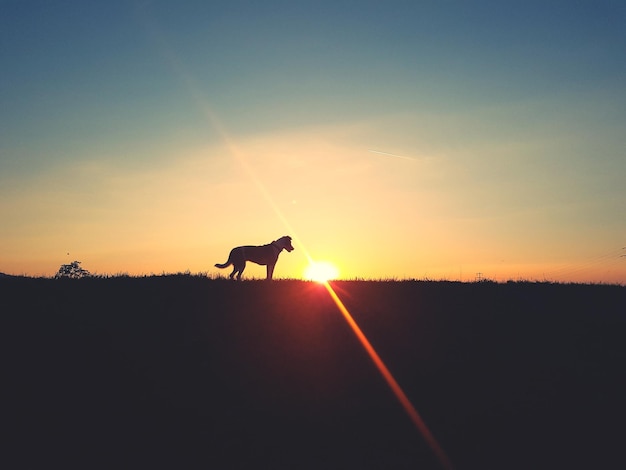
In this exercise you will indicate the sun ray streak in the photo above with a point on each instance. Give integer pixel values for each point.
(391, 381)
(243, 162)
(233, 149)
(213, 121)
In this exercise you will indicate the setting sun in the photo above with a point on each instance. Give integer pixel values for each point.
(321, 271)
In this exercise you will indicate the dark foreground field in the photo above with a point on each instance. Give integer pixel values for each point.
(187, 372)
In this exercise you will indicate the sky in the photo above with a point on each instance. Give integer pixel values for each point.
(435, 140)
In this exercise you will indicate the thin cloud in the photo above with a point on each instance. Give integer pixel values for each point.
(392, 155)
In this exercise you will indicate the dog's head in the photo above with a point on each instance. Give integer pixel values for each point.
(285, 243)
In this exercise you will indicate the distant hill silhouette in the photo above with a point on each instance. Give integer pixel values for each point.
(3, 275)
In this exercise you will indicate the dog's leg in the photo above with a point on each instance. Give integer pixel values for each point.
(238, 258)
(270, 271)
(240, 268)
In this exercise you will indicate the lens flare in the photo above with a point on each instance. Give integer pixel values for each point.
(391, 381)
(214, 122)
(321, 271)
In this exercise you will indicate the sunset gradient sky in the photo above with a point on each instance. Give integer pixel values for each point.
(395, 139)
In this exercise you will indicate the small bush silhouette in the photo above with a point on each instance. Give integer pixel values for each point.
(72, 271)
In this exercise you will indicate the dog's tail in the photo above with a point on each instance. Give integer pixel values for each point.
(225, 265)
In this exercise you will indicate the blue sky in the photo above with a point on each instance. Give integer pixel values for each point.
(513, 114)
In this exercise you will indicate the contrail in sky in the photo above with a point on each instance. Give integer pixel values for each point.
(391, 154)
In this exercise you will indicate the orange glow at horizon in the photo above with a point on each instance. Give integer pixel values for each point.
(391, 381)
(321, 271)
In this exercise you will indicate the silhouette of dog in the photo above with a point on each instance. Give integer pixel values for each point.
(265, 255)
